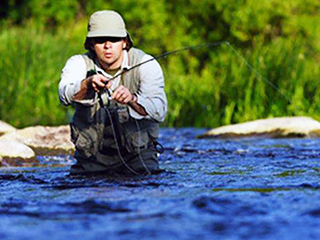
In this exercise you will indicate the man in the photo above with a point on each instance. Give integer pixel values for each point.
(116, 122)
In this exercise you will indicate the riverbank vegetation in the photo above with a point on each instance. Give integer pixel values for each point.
(270, 68)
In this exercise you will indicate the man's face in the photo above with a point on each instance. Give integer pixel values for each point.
(109, 51)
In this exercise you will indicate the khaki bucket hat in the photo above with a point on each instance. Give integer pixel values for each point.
(107, 23)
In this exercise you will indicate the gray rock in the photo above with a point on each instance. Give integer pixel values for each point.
(45, 141)
(14, 153)
(281, 127)
(5, 128)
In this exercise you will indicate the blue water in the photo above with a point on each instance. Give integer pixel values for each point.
(211, 189)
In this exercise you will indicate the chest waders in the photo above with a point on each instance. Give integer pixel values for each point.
(108, 139)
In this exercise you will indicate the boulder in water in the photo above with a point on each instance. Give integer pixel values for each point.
(5, 128)
(44, 140)
(281, 127)
(15, 153)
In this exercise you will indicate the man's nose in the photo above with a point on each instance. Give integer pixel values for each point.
(108, 44)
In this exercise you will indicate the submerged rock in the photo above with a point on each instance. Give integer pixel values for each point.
(5, 128)
(44, 140)
(15, 153)
(281, 127)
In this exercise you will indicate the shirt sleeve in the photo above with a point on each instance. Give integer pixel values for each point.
(72, 74)
(151, 94)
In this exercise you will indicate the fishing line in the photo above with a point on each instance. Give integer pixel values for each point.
(257, 73)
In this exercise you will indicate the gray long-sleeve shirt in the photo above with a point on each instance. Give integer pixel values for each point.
(150, 95)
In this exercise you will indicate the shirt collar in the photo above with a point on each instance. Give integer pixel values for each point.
(124, 65)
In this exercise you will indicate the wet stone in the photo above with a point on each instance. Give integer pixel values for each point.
(15, 153)
(45, 141)
(5, 128)
(282, 127)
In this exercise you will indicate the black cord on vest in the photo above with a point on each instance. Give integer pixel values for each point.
(118, 148)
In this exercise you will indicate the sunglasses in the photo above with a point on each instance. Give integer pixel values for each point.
(107, 39)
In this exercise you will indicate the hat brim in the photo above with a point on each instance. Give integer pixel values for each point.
(89, 37)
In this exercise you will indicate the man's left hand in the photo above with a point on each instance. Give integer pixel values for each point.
(122, 95)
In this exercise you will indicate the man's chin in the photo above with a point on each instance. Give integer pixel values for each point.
(108, 62)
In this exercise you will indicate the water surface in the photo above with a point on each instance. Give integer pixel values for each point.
(211, 189)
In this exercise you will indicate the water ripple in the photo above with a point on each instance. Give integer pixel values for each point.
(250, 188)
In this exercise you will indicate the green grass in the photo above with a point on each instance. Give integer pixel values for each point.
(30, 65)
(280, 82)
(205, 88)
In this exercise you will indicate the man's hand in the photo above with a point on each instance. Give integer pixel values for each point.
(99, 82)
(122, 95)
(95, 82)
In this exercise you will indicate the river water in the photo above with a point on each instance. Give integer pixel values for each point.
(254, 188)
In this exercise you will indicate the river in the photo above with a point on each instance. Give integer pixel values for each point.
(253, 188)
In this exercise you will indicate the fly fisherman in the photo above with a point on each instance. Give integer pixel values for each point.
(116, 122)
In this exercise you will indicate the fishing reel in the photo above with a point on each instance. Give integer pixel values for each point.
(105, 93)
(105, 97)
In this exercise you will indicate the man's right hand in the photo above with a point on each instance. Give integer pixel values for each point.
(96, 82)
(99, 82)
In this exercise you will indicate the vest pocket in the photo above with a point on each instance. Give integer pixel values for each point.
(84, 140)
(137, 141)
(138, 134)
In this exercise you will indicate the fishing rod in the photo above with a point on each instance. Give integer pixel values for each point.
(163, 55)
(210, 44)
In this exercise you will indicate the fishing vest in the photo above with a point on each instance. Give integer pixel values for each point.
(101, 133)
